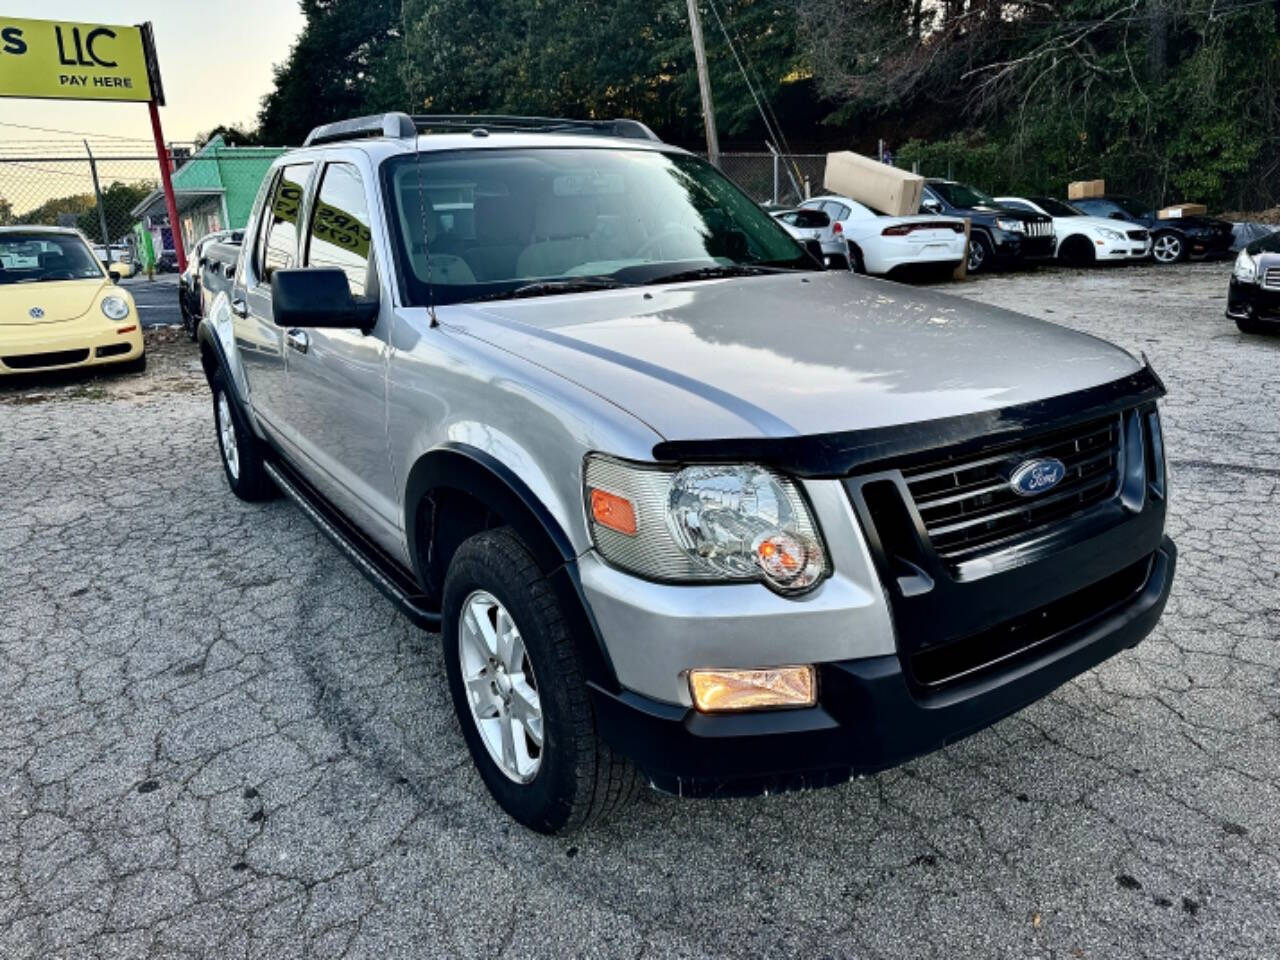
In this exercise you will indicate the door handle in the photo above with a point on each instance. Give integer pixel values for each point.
(297, 339)
(239, 307)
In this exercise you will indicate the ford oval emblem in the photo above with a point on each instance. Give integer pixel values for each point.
(35, 313)
(1033, 477)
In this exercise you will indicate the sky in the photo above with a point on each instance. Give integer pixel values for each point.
(215, 62)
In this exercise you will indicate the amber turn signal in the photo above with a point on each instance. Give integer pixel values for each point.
(721, 690)
(614, 512)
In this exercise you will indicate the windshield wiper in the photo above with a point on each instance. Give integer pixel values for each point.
(546, 288)
(716, 272)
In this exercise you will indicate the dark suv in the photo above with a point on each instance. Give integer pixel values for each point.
(1171, 240)
(997, 235)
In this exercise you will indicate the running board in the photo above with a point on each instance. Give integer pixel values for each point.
(382, 571)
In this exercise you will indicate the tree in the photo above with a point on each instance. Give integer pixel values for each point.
(345, 63)
(118, 200)
(6, 212)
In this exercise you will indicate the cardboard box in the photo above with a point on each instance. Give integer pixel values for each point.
(878, 185)
(1083, 189)
(1183, 210)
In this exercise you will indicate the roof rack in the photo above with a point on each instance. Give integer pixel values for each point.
(403, 126)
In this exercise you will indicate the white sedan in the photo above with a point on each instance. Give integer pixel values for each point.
(870, 242)
(1083, 239)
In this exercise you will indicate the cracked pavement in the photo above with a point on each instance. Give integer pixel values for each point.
(218, 740)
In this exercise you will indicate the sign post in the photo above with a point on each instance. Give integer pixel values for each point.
(60, 60)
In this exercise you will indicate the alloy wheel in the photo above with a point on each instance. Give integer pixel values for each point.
(976, 256)
(500, 686)
(1167, 248)
(227, 437)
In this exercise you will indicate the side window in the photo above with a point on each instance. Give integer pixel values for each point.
(340, 235)
(277, 248)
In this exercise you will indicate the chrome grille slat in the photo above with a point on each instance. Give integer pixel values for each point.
(968, 507)
(1271, 278)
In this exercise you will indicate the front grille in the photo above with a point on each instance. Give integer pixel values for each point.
(1271, 278)
(1038, 228)
(968, 506)
(29, 361)
(1138, 235)
(1034, 633)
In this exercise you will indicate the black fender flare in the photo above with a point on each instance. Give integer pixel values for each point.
(469, 470)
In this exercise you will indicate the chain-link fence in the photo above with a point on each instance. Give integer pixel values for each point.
(772, 178)
(214, 190)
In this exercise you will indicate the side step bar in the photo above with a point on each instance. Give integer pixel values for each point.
(382, 571)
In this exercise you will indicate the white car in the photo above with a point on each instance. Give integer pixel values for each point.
(870, 242)
(1083, 239)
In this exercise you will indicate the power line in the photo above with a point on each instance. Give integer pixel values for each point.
(73, 133)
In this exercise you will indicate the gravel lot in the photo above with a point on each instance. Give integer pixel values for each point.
(217, 740)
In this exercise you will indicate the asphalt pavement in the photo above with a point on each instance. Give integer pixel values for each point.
(157, 299)
(218, 740)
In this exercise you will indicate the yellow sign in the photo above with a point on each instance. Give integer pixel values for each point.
(72, 61)
(341, 229)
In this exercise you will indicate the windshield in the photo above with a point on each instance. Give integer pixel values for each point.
(1056, 208)
(553, 220)
(962, 195)
(37, 257)
(1130, 206)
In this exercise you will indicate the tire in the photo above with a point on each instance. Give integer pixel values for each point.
(1167, 247)
(1077, 251)
(1253, 326)
(858, 264)
(572, 778)
(980, 253)
(189, 322)
(241, 452)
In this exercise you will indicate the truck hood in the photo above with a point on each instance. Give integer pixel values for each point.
(54, 300)
(793, 354)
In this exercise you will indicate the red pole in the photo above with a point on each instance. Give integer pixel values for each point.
(170, 201)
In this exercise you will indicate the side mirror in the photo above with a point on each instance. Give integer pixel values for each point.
(318, 297)
(114, 275)
(933, 206)
(814, 248)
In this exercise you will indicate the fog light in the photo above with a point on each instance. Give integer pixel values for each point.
(720, 690)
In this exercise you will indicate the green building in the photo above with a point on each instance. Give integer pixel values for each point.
(214, 190)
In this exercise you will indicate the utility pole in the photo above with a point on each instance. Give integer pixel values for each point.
(97, 191)
(704, 85)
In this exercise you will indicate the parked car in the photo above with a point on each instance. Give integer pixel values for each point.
(803, 224)
(58, 306)
(686, 509)
(870, 242)
(1081, 239)
(1253, 294)
(117, 260)
(1171, 240)
(998, 236)
(190, 296)
(167, 262)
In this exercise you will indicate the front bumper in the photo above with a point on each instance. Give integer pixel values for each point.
(38, 347)
(1215, 244)
(1251, 301)
(1012, 248)
(870, 715)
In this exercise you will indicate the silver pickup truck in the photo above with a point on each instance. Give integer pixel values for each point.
(685, 508)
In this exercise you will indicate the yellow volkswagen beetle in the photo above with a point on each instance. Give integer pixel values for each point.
(59, 308)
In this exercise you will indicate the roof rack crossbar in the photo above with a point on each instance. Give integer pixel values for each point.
(620, 127)
(396, 125)
(403, 126)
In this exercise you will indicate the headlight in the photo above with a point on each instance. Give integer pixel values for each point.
(1009, 226)
(115, 308)
(1110, 234)
(712, 523)
(1246, 268)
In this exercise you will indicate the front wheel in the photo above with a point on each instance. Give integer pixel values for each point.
(242, 452)
(1167, 248)
(519, 690)
(979, 253)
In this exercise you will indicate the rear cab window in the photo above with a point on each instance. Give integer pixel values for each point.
(278, 237)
